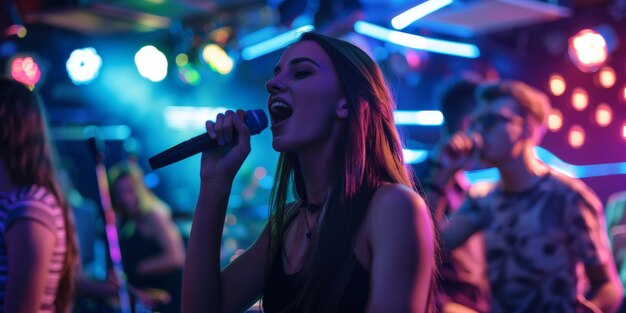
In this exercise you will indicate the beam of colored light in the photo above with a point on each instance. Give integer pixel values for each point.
(415, 13)
(417, 42)
(425, 118)
(278, 42)
(558, 165)
(580, 171)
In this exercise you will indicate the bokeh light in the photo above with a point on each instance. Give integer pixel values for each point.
(26, 70)
(83, 65)
(576, 136)
(588, 50)
(580, 99)
(606, 77)
(604, 114)
(151, 63)
(555, 120)
(557, 84)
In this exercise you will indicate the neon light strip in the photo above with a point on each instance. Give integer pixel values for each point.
(280, 41)
(414, 156)
(426, 118)
(417, 42)
(417, 12)
(571, 170)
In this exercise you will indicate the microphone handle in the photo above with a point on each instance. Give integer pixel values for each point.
(182, 151)
(256, 120)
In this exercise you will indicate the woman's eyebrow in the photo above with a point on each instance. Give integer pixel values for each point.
(296, 61)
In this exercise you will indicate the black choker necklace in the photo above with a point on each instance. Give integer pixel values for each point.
(310, 207)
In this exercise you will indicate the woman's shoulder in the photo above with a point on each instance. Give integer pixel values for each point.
(396, 195)
(393, 202)
(398, 222)
(34, 203)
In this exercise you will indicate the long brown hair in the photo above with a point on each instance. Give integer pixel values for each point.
(369, 153)
(28, 156)
(147, 200)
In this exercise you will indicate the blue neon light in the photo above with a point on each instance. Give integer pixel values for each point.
(415, 13)
(417, 42)
(280, 41)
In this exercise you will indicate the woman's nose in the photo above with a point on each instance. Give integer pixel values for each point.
(274, 85)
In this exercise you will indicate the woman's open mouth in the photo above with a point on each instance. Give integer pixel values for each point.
(279, 111)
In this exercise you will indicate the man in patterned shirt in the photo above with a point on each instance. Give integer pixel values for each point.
(542, 229)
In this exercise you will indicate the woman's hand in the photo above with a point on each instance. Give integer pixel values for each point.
(233, 136)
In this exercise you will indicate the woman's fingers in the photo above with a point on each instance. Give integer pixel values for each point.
(219, 128)
(228, 127)
(225, 126)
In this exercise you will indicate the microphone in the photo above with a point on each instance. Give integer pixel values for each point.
(255, 119)
(476, 140)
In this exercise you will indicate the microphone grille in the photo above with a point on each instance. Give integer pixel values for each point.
(256, 121)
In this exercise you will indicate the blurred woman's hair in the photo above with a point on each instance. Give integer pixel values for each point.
(28, 156)
(147, 200)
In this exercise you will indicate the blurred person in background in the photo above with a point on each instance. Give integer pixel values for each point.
(616, 226)
(540, 227)
(151, 245)
(38, 251)
(463, 286)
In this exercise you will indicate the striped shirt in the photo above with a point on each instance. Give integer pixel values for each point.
(34, 203)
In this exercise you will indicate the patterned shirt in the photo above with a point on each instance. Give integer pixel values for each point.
(34, 203)
(536, 242)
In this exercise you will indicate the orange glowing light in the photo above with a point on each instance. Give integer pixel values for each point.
(576, 136)
(580, 99)
(606, 77)
(604, 115)
(557, 84)
(555, 120)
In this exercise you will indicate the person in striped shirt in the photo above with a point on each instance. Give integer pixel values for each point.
(37, 243)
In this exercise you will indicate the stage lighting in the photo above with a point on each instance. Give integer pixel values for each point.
(606, 77)
(557, 84)
(588, 50)
(189, 75)
(576, 136)
(218, 60)
(182, 59)
(408, 17)
(151, 63)
(555, 120)
(26, 70)
(604, 115)
(83, 65)
(417, 42)
(580, 99)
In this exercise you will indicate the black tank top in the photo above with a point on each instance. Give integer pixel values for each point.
(282, 289)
